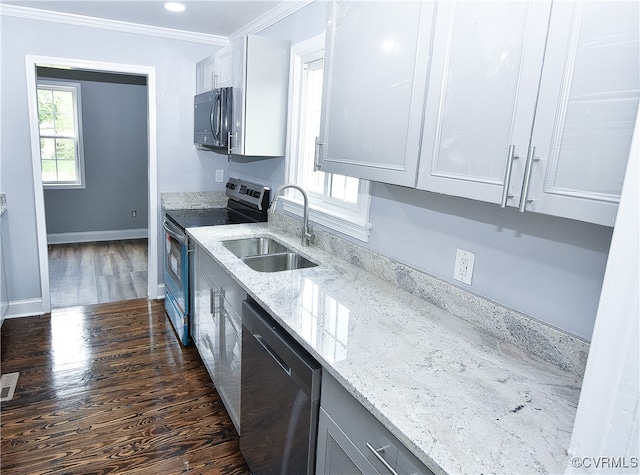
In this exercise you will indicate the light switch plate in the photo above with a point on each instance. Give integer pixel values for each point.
(219, 176)
(463, 270)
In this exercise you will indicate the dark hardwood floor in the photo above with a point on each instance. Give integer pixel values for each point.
(97, 272)
(108, 389)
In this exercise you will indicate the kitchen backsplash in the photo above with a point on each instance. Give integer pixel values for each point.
(193, 199)
(553, 345)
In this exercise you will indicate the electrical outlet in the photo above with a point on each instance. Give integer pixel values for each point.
(134, 214)
(219, 176)
(463, 270)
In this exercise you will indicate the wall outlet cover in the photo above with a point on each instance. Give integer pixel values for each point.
(463, 269)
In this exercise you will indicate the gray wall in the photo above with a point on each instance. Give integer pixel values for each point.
(114, 126)
(546, 267)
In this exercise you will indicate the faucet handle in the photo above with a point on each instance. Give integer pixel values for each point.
(308, 238)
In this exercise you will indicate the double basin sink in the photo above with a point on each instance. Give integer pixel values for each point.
(264, 254)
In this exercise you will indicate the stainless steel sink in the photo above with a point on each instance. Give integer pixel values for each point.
(254, 246)
(264, 254)
(278, 262)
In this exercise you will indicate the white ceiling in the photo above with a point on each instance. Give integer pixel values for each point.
(214, 17)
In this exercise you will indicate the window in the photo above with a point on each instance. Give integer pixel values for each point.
(337, 202)
(60, 138)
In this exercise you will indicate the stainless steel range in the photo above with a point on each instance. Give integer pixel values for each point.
(246, 203)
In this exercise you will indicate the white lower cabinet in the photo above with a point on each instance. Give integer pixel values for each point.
(351, 440)
(217, 329)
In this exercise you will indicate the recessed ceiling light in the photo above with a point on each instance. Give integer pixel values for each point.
(175, 6)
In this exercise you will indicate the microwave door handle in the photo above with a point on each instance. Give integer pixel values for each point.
(213, 118)
(218, 131)
(225, 114)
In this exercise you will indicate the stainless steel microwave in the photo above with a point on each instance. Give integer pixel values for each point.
(213, 118)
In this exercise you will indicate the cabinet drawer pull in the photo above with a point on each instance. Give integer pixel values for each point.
(507, 176)
(376, 453)
(524, 196)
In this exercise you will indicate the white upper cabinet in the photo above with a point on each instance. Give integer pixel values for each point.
(260, 78)
(223, 67)
(204, 74)
(482, 88)
(214, 71)
(376, 60)
(531, 106)
(586, 111)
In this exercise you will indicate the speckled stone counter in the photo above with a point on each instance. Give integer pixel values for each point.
(3, 203)
(193, 199)
(461, 399)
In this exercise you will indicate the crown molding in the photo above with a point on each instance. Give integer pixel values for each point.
(273, 16)
(113, 25)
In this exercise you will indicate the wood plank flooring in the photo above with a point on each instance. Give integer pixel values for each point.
(108, 389)
(97, 272)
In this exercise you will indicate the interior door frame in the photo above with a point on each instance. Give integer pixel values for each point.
(152, 162)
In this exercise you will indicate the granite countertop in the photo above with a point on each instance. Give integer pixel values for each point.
(3, 203)
(461, 399)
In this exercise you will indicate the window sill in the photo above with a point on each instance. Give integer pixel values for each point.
(353, 226)
(63, 186)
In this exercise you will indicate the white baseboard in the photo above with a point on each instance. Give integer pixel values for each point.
(159, 292)
(93, 236)
(25, 308)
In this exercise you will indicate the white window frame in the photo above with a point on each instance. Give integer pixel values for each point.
(351, 220)
(75, 88)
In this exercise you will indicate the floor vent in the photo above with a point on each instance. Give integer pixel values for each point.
(8, 386)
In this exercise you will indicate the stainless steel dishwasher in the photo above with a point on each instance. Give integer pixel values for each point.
(280, 397)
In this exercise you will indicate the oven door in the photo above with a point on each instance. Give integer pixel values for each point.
(176, 279)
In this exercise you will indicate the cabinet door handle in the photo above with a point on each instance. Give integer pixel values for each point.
(376, 453)
(316, 156)
(507, 175)
(229, 137)
(212, 297)
(524, 196)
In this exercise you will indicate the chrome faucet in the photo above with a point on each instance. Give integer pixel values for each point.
(306, 235)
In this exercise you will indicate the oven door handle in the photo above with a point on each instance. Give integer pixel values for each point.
(174, 232)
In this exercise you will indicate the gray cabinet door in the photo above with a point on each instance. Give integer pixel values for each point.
(337, 454)
(352, 440)
(217, 329)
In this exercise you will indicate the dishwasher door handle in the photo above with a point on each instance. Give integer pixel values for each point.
(273, 354)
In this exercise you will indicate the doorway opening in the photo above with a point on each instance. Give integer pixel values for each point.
(93, 222)
(94, 161)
